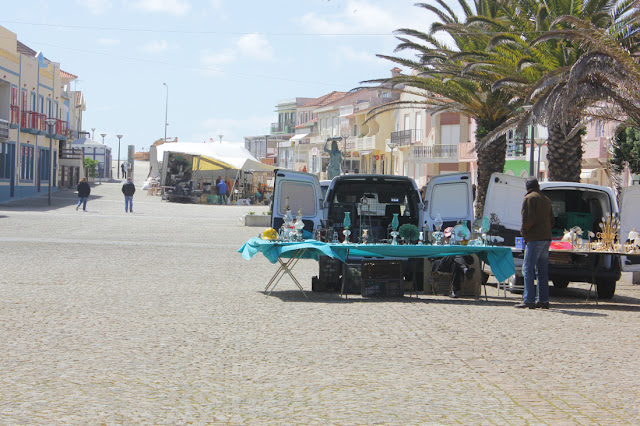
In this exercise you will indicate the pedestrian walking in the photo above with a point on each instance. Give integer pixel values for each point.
(83, 194)
(222, 191)
(537, 221)
(124, 171)
(128, 189)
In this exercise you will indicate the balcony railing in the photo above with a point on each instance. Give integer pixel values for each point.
(282, 127)
(402, 137)
(4, 129)
(366, 143)
(71, 154)
(61, 129)
(33, 122)
(15, 115)
(351, 143)
(465, 151)
(434, 153)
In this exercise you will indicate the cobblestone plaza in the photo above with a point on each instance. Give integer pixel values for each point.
(153, 317)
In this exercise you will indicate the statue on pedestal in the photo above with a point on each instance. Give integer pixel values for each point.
(335, 160)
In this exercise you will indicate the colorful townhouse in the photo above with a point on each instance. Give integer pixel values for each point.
(34, 120)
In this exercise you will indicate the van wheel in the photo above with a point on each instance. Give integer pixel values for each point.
(606, 288)
(560, 283)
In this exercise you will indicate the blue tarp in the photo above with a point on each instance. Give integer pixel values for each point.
(499, 259)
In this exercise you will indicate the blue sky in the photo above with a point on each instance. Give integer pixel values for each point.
(227, 63)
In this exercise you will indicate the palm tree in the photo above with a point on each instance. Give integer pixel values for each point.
(444, 82)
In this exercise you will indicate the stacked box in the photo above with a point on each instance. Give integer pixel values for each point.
(328, 279)
(382, 278)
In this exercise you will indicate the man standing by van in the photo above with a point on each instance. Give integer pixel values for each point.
(537, 221)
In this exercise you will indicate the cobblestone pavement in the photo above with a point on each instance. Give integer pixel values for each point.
(153, 317)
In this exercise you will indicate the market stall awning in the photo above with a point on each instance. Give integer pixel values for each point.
(202, 162)
(297, 138)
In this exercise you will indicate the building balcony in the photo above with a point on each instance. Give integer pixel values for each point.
(14, 123)
(403, 137)
(434, 153)
(351, 143)
(282, 127)
(466, 153)
(71, 154)
(4, 130)
(366, 143)
(61, 130)
(33, 122)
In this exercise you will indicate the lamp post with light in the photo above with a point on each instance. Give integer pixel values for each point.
(119, 137)
(220, 136)
(50, 122)
(93, 131)
(166, 112)
(110, 171)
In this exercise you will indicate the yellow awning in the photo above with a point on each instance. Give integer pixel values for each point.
(208, 163)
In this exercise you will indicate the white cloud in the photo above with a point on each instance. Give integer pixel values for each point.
(96, 7)
(366, 17)
(108, 42)
(174, 7)
(216, 4)
(155, 46)
(255, 46)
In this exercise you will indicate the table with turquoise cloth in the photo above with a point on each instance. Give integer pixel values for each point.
(499, 259)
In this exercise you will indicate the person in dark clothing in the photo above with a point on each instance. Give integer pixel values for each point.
(128, 189)
(222, 192)
(124, 170)
(458, 266)
(83, 193)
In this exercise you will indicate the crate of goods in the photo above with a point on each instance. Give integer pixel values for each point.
(329, 269)
(382, 287)
(583, 220)
(382, 278)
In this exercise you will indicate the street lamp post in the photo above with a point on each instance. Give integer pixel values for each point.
(220, 136)
(344, 150)
(50, 123)
(166, 112)
(119, 137)
(392, 145)
(94, 157)
(93, 131)
(540, 142)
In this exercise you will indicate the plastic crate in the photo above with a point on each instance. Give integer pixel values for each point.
(382, 269)
(583, 220)
(375, 287)
(329, 269)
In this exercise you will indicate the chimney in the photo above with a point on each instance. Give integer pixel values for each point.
(395, 72)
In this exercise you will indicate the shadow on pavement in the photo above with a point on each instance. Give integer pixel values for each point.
(59, 199)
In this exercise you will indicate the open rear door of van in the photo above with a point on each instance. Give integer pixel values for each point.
(630, 218)
(504, 199)
(303, 192)
(450, 195)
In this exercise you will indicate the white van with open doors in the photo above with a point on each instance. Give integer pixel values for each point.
(574, 204)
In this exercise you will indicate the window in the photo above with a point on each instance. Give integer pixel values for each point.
(43, 164)
(418, 127)
(450, 134)
(407, 124)
(24, 100)
(6, 160)
(600, 127)
(33, 101)
(14, 95)
(306, 116)
(26, 162)
(49, 111)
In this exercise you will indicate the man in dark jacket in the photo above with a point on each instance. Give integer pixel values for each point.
(128, 189)
(83, 193)
(537, 221)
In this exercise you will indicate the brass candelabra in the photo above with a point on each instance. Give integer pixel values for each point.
(609, 233)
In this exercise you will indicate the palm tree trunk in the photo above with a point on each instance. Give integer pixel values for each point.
(564, 156)
(490, 160)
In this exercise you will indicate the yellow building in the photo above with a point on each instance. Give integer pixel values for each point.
(30, 94)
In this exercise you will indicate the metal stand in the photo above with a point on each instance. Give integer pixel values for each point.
(285, 268)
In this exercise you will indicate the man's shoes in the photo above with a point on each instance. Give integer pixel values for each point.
(454, 294)
(524, 305)
(469, 273)
(77, 207)
(542, 305)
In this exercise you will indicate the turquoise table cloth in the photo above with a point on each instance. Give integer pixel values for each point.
(499, 259)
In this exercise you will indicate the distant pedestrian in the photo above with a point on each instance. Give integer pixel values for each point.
(124, 171)
(537, 221)
(128, 189)
(83, 194)
(222, 192)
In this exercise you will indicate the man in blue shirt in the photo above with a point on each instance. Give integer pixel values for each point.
(222, 191)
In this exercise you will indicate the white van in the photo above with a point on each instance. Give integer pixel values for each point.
(574, 204)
